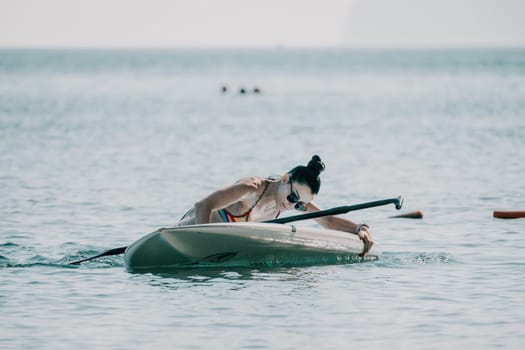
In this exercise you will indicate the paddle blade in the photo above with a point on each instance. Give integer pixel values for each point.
(114, 251)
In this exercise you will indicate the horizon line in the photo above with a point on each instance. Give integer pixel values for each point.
(274, 47)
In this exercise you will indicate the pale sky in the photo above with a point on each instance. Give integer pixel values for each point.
(263, 23)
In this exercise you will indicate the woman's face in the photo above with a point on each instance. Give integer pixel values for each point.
(291, 193)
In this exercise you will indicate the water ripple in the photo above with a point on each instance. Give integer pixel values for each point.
(411, 259)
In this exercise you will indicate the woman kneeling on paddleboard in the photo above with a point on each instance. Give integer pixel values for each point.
(259, 199)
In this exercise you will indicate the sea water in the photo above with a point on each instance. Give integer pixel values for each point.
(100, 147)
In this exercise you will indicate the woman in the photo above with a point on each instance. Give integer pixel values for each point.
(260, 199)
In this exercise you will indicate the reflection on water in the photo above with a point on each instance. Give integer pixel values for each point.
(235, 278)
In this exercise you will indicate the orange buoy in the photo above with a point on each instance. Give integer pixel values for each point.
(418, 214)
(509, 214)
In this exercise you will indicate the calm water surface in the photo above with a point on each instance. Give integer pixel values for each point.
(98, 148)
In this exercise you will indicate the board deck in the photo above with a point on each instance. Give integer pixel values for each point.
(242, 244)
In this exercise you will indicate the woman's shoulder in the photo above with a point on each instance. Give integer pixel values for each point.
(252, 182)
(258, 181)
(273, 178)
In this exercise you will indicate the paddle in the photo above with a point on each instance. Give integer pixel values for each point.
(339, 210)
(398, 202)
(114, 251)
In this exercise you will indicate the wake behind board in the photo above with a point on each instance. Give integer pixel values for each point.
(242, 244)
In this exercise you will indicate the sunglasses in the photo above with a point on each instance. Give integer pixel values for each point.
(293, 198)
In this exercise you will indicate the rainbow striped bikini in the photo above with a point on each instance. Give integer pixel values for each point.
(226, 216)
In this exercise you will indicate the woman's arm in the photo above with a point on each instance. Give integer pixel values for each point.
(224, 198)
(340, 224)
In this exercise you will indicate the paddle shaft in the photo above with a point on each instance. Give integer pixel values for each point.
(339, 210)
(316, 214)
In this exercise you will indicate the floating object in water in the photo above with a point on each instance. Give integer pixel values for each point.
(418, 214)
(509, 214)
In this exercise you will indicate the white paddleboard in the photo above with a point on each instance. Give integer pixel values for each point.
(242, 244)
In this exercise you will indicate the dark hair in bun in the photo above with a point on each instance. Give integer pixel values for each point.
(309, 174)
